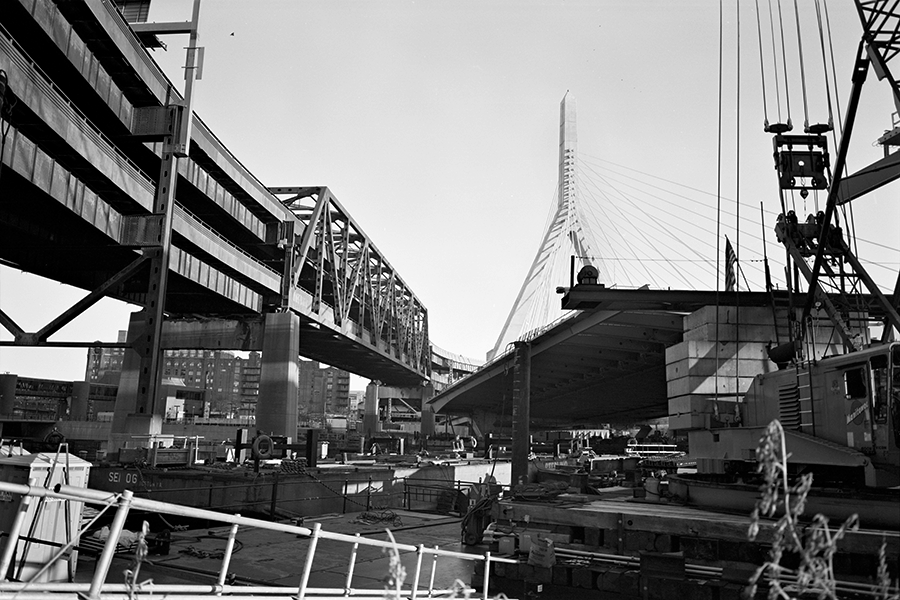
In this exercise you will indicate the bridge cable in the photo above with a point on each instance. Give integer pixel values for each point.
(640, 233)
(802, 69)
(603, 236)
(654, 243)
(645, 216)
(604, 172)
(676, 217)
(787, 87)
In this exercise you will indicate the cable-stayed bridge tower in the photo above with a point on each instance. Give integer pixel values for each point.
(566, 235)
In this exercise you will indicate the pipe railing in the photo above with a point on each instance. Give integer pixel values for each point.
(98, 588)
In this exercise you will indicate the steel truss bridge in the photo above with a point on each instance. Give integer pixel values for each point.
(89, 155)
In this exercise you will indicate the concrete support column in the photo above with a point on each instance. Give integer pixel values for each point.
(370, 412)
(8, 394)
(427, 426)
(81, 391)
(276, 407)
(521, 411)
(135, 413)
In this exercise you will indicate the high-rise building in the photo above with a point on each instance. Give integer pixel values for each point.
(104, 365)
(248, 374)
(322, 392)
(231, 383)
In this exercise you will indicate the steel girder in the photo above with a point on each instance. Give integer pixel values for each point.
(352, 284)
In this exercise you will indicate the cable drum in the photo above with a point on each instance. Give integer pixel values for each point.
(263, 447)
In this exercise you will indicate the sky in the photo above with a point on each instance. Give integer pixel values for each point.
(436, 124)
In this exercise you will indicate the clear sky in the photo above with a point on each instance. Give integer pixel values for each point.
(436, 125)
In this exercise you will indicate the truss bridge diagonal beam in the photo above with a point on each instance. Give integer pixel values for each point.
(335, 269)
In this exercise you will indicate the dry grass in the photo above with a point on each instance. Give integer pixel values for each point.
(814, 543)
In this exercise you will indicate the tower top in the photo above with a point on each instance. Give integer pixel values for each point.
(567, 148)
(567, 235)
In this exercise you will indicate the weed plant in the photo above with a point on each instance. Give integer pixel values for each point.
(815, 543)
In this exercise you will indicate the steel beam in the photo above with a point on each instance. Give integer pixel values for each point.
(868, 179)
(860, 70)
(521, 411)
(85, 303)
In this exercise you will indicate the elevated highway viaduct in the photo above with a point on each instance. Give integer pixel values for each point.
(98, 191)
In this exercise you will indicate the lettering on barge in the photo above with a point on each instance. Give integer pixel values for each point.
(118, 480)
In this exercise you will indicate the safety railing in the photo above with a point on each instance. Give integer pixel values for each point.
(281, 493)
(443, 496)
(98, 588)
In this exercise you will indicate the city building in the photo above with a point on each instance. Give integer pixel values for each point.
(104, 365)
(322, 393)
(230, 383)
(247, 373)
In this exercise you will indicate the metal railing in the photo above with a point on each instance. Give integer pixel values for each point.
(98, 588)
(442, 496)
(201, 228)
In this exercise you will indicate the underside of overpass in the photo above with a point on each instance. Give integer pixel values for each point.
(594, 367)
(606, 363)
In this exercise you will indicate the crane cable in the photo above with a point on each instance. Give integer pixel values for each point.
(802, 69)
(718, 216)
(787, 92)
(762, 71)
(737, 222)
(837, 96)
(787, 95)
(775, 66)
(851, 222)
(824, 64)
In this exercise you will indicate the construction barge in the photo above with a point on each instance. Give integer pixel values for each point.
(635, 548)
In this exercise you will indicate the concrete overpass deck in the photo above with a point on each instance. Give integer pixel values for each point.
(590, 368)
(605, 363)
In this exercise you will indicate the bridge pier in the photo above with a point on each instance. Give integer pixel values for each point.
(426, 428)
(276, 407)
(370, 410)
(278, 336)
(135, 413)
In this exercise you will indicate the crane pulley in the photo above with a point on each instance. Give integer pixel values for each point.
(803, 163)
